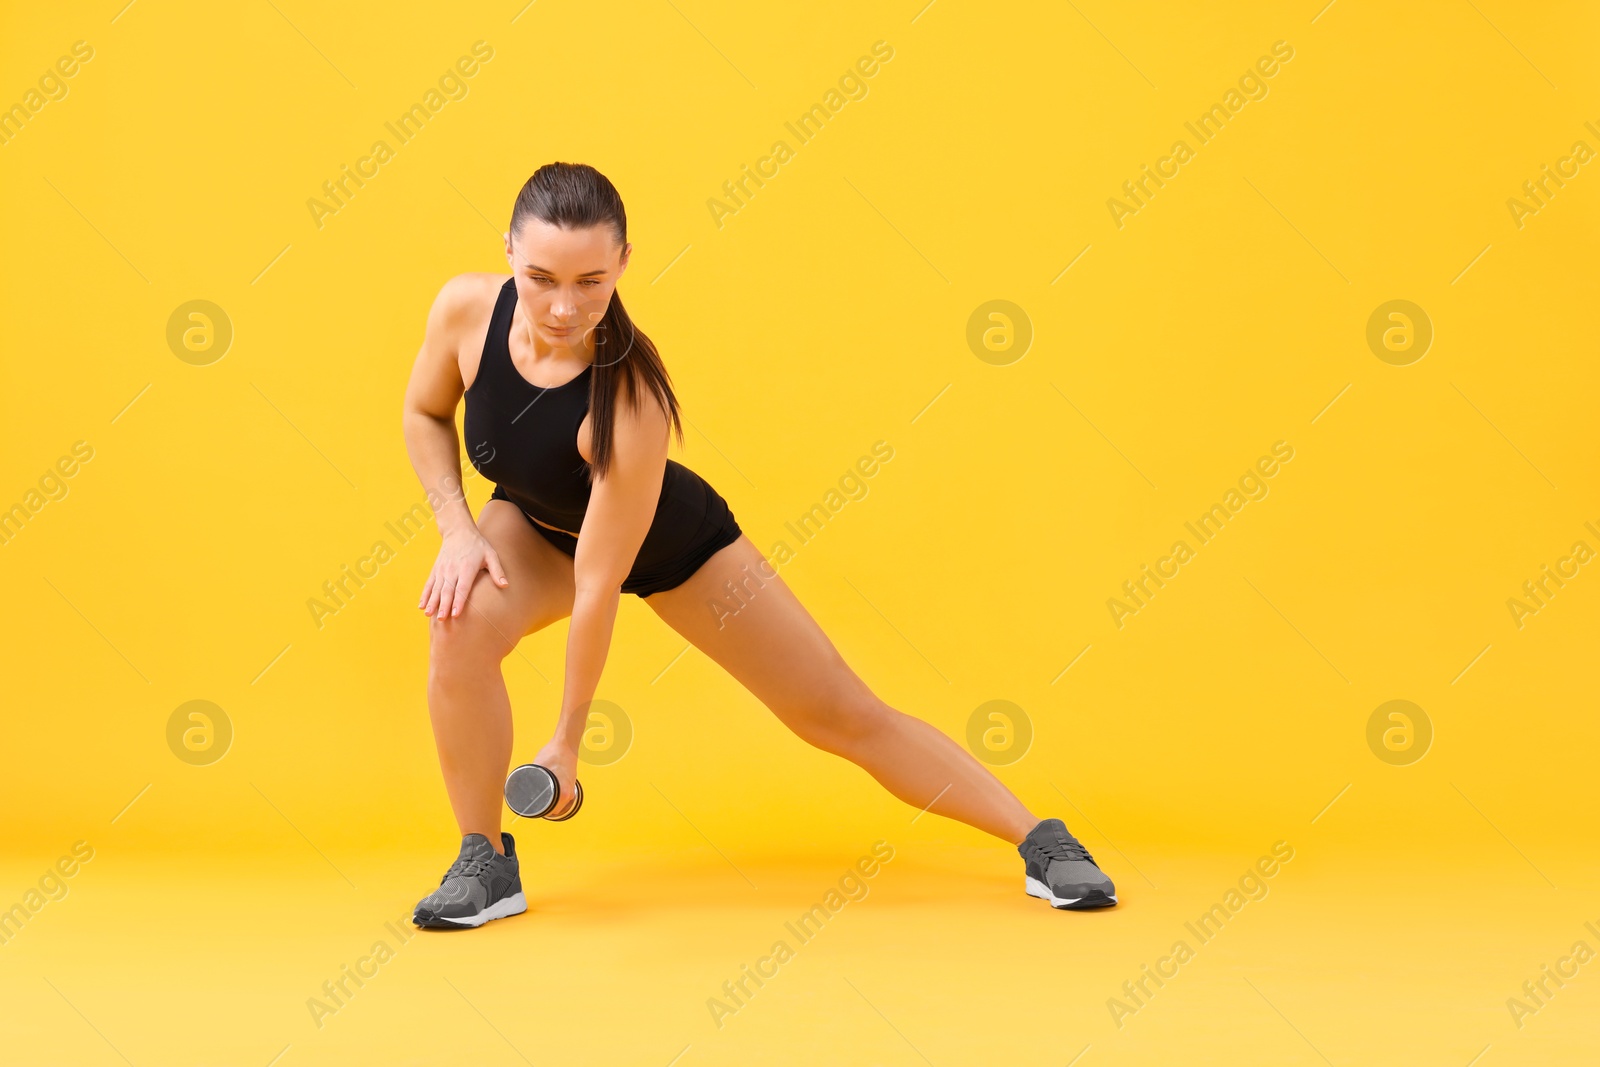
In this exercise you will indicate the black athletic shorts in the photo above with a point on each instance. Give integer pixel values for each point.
(692, 522)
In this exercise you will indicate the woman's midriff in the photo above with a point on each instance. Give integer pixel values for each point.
(547, 526)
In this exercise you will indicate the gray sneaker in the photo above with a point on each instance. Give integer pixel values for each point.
(480, 885)
(1059, 869)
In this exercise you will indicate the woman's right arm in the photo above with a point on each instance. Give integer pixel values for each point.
(429, 424)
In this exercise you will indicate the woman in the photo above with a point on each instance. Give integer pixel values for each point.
(569, 409)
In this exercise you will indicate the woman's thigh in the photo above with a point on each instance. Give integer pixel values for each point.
(766, 639)
(539, 583)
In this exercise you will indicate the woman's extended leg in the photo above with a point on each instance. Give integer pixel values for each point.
(774, 648)
(467, 697)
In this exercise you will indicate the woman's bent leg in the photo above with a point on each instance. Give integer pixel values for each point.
(467, 698)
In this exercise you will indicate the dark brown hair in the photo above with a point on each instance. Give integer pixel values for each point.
(576, 196)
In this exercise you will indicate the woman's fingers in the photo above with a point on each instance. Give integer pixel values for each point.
(441, 596)
(447, 603)
(567, 775)
(492, 558)
(463, 587)
(450, 584)
(564, 793)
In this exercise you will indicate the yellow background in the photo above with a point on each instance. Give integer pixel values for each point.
(831, 311)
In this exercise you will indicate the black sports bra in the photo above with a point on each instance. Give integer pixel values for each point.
(524, 437)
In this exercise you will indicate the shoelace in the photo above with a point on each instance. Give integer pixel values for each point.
(1063, 850)
(469, 868)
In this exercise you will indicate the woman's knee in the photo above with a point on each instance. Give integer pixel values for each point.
(844, 725)
(466, 642)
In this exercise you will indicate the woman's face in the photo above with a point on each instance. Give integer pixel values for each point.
(565, 279)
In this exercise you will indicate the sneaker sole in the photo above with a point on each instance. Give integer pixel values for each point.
(1093, 899)
(515, 904)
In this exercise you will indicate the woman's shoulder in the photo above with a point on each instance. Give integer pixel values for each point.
(469, 295)
(461, 314)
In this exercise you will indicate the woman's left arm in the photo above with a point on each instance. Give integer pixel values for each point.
(622, 504)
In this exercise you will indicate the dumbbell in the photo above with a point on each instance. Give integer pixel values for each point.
(531, 792)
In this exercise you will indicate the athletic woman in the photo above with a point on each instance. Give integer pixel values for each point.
(568, 412)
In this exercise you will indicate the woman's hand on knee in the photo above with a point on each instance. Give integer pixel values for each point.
(463, 553)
